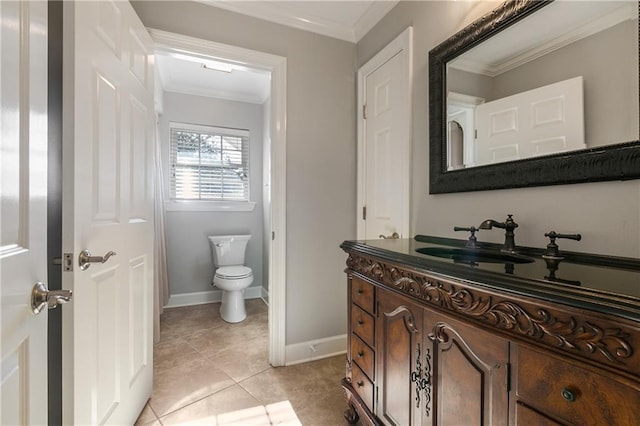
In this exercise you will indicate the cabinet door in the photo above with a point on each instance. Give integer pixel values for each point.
(469, 374)
(399, 340)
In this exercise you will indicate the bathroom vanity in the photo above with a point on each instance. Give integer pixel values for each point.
(464, 340)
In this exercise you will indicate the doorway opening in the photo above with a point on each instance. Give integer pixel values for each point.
(266, 74)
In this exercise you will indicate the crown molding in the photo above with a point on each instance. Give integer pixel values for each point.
(210, 93)
(267, 11)
(602, 23)
(372, 16)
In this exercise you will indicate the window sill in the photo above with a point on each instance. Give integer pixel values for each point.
(209, 206)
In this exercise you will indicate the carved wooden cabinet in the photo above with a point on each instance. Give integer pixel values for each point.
(448, 363)
(470, 370)
(399, 338)
(570, 392)
(430, 349)
(361, 340)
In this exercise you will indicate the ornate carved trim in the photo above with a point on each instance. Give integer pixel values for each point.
(409, 321)
(357, 407)
(567, 333)
(422, 378)
(365, 266)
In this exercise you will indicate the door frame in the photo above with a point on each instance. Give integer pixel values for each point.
(401, 45)
(277, 65)
(54, 205)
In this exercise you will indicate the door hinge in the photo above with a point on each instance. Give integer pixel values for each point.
(475, 133)
(364, 112)
(364, 212)
(273, 235)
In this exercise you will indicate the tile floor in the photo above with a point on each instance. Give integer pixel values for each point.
(207, 371)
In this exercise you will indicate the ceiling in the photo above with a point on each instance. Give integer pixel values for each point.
(345, 20)
(214, 79)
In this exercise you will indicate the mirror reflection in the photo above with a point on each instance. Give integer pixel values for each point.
(565, 78)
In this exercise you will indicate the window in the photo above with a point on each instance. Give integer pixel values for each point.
(209, 163)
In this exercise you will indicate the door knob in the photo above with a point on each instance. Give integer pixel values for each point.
(393, 236)
(85, 258)
(41, 296)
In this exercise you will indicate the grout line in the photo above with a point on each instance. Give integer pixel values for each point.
(260, 401)
(254, 375)
(193, 402)
(182, 339)
(154, 413)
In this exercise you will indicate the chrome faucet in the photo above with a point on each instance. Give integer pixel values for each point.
(509, 237)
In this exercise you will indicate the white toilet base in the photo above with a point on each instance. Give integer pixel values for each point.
(232, 307)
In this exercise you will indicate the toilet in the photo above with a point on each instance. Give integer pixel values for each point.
(231, 276)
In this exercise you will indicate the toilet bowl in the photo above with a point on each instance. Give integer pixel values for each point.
(231, 276)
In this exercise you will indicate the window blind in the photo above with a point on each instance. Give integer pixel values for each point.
(209, 163)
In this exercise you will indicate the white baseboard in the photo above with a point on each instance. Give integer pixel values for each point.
(265, 295)
(315, 349)
(213, 296)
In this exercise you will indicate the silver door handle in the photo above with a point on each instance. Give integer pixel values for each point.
(41, 296)
(85, 259)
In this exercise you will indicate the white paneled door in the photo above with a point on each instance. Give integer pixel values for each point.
(384, 148)
(23, 211)
(108, 202)
(542, 121)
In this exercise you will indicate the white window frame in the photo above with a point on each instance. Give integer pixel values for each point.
(205, 205)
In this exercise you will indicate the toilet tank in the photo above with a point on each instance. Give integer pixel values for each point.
(228, 249)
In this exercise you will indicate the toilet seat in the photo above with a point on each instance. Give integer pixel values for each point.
(233, 272)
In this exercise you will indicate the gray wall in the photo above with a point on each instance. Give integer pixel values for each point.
(321, 152)
(469, 83)
(189, 262)
(610, 81)
(606, 214)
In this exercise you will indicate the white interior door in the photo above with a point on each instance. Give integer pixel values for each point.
(108, 206)
(385, 145)
(542, 121)
(23, 210)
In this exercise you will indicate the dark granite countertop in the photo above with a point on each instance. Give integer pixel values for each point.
(603, 283)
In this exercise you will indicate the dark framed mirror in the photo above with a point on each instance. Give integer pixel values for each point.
(527, 65)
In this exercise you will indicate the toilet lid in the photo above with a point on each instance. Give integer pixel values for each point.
(233, 271)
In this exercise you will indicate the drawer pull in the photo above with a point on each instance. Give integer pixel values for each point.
(360, 322)
(360, 291)
(360, 354)
(360, 384)
(568, 394)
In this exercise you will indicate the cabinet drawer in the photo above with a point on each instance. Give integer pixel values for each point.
(362, 355)
(362, 385)
(362, 324)
(526, 416)
(573, 394)
(362, 294)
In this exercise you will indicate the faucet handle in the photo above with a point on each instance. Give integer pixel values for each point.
(471, 243)
(552, 248)
(510, 222)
